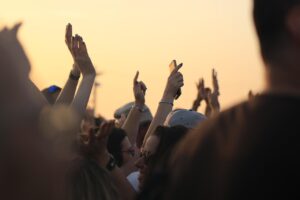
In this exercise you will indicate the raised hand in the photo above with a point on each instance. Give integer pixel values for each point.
(69, 40)
(81, 56)
(174, 83)
(201, 90)
(139, 90)
(95, 144)
(215, 82)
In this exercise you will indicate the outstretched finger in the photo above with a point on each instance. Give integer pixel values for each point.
(201, 82)
(135, 80)
(176, 69)
(68, 35)
(75, 45)
(214, 73)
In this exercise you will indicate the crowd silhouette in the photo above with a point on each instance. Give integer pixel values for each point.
(53, 147)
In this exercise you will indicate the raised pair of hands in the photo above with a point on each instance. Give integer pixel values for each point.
(94, 144)
(202, 93)
(78, 50)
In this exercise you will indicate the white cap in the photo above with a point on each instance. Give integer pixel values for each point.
(187, 118)
(146, 115)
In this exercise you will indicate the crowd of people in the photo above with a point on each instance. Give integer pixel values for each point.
(53, 147)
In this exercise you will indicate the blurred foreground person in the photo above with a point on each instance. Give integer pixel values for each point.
(28, 168)
(251, 150)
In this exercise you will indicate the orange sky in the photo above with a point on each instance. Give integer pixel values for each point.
(128, 35)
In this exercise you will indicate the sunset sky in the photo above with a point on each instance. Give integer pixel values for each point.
(124, 36)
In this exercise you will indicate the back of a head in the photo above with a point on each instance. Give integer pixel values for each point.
(270, 21)
(157, 179)
(125, 109)
(182, 117)
(143, 128)
(114, 144)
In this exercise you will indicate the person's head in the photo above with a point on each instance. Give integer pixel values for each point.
(277, 24)
(119, 146)
(125, 109)
(157, 150)
(88, 181)
(51, 93)
(182, 117)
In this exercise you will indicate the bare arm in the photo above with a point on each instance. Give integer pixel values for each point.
(214, 98)
(175, 81)
(132, 122)
(67, 94)
(88, 71)
(200, 95)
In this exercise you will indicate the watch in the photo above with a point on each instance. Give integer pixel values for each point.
(73, 77)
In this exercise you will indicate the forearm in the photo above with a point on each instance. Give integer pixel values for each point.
(208, 109)
(164, 108)
(123, 186)
(131, 125)
(82, 96)
(67, 94)
(196, 104)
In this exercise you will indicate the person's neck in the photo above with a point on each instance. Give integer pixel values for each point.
(284, 80)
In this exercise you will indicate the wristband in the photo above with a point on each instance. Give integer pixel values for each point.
(73, 77)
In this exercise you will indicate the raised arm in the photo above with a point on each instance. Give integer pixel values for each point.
(201, 95)
(214, 98)
(175, 81)
(67, 94)
(132, 122)
(87, 69)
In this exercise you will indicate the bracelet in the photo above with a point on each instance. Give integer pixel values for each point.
(73, 77)
(166, 102)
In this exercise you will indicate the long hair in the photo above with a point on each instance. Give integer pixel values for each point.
(88, 181)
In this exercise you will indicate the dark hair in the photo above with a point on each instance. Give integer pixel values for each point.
(269, 18)
(141, 133)
(88, 181)
(114, 144)
(157, 178)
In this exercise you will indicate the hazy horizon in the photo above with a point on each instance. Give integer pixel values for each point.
(126, 36)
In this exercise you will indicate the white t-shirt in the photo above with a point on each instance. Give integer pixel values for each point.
(133, 180)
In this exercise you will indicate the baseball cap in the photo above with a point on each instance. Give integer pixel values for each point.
(146, 115)
(187, 118)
